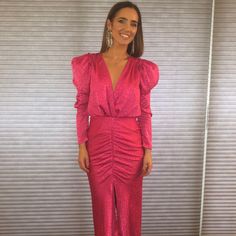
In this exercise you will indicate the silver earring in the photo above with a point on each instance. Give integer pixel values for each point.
(109, 38)
(132, 51)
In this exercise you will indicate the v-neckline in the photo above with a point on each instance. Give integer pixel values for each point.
(109, 75)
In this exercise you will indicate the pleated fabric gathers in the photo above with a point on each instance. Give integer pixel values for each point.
(116, 158)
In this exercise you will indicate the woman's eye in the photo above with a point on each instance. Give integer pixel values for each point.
(134, 25)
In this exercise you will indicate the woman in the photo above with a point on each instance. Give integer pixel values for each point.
(115, 148)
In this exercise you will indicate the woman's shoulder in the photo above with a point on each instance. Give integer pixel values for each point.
(146, 64)
(149, 74)
(84, 61)
(82, 68)
(82, 58)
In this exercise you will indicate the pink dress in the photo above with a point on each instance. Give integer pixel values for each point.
(115, 123)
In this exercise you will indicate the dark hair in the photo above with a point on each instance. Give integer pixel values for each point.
(138, 39)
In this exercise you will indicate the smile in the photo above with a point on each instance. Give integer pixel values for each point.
(124, 36)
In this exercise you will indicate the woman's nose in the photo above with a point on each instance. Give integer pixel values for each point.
(128, 28)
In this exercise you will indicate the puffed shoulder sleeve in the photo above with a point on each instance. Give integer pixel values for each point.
(81, 66)
(81, 70)
(149, 77)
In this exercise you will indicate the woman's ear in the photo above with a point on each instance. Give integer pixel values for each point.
(109, 25)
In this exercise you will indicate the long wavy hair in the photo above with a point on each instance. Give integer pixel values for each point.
(138, 39)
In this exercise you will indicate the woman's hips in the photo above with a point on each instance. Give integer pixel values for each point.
(115, 135)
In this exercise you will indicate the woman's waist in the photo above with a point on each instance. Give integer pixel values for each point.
(114, 123)
(109, 117)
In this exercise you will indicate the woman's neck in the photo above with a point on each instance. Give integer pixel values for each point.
(117, 53)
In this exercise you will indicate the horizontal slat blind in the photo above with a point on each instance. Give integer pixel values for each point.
(42, 190)
(177, 38)
(220, 189)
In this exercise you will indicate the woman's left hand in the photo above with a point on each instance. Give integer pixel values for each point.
(147, 163)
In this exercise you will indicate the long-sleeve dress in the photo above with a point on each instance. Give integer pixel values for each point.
(116, 126)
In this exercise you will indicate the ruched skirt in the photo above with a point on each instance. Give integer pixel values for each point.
(115, 175)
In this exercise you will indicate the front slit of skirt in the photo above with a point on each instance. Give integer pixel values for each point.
(116, 222)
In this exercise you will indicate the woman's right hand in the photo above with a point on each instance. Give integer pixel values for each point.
(83, 158)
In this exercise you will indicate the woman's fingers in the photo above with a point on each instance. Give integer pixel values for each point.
(87, 164)
(146, 169)
(84, 164)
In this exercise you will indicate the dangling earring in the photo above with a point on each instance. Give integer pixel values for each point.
(109, 39)
(132, 51)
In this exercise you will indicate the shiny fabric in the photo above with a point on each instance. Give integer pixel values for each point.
(130, 98)
(118, 131)
(115, 152)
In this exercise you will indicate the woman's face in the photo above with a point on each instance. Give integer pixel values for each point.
(124, 26)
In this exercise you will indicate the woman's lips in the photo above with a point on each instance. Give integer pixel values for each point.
(124, 36)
